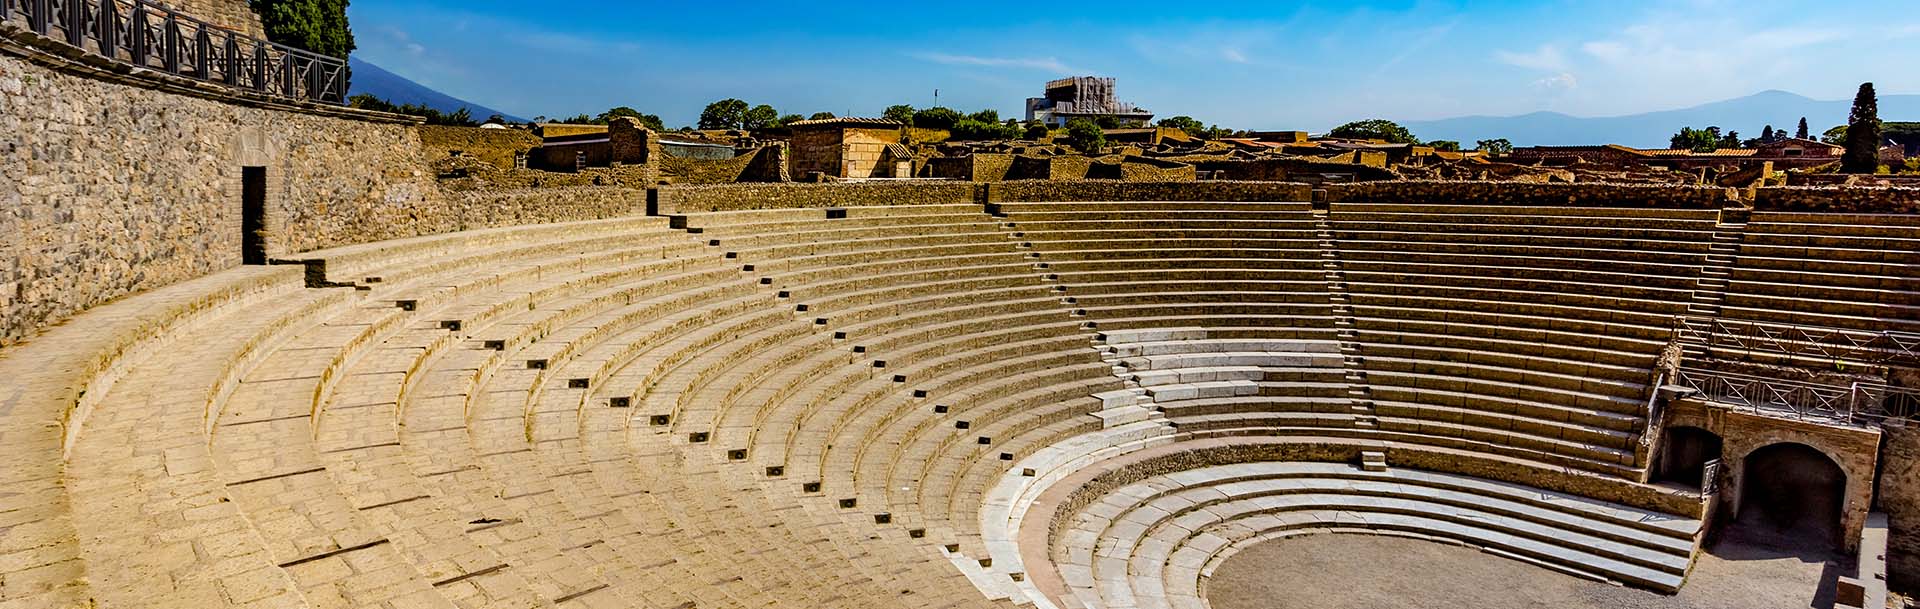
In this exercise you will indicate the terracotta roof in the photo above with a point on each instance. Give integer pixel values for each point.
(846, 121)
(1684, 152)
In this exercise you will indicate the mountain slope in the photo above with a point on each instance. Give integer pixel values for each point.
(1747, 115)
(378, 82)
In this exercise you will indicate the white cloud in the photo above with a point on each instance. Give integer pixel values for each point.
(1559, 82)
(1547, 58)
(1045, 64)
(1233, 55)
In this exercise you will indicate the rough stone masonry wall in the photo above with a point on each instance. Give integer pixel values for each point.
(1899, 497)
(1838, 199)
(236, 15)
(496, 147)
(111, 189)
(1439, 192)
(1107, 190)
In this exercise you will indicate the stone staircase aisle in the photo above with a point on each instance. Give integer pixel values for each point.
(1358, 389)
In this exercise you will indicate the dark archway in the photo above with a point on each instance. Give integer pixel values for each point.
(1685, 454)
(1793, 493)
(253, 215)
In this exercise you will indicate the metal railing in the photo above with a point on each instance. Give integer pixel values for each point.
(154, 37)
(1858, 403)
(1900, 348)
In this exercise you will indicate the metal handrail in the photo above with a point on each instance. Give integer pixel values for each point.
(1858, 403)
(155, 37)
(1886, 347)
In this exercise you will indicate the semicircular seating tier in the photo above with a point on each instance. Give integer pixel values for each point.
(1058, 404)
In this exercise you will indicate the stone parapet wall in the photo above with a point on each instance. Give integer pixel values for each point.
(1111, 190)
(733, 197)
(1838, 199)
(1438, 192)
(116, 184)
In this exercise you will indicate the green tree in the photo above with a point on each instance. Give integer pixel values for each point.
(1836, 136)
(728, 113)
(1700, 140)
(1863, 133)
(789, 119)
(1184, 123)
(318, 26)
(1086, 136)
(936, 118)
(1035, 131)
(760, 117)
(646, 120)
(970, 130)
(457, 118)
(1494, 147)
(986, 116)
(1802, 132)
(820, 116)
(900, 112)
(1374, 129)
(1730, 140)
(1446, 145)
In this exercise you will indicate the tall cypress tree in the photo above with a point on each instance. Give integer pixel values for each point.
(1802, 133)
(1863, 133)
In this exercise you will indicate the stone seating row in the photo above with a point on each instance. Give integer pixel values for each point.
(1153, 542)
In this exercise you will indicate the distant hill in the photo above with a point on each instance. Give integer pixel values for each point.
(1747, 115)
(376, 81)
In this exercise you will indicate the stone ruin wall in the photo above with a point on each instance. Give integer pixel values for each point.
(114, 185)
(1899, 497)
(236, 15)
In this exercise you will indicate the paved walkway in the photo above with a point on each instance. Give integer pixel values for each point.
(1368, 572)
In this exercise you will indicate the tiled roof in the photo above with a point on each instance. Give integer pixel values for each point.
(846, 122)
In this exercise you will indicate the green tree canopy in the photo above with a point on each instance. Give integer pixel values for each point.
(969, 129)
(1802, 132)
(1375, 129)
(1035, 131)
(986, 116)
(319, 26)
(760, 117)
(789, 119)
(900, 112)
(937, 118)
(646, 120)
(1700, 140)
(821, 116)
(728, 113)
(1184, 123)
(457, 118)
(1863, 139)
(1836, 136)
(1447, 145)
(1494, 147)
(1086, 136)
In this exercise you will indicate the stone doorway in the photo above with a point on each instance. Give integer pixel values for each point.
(1684, 455)
(1794, 494)
(253, 215)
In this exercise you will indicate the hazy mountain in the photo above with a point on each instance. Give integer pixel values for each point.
(374, 80)
(1747, 115)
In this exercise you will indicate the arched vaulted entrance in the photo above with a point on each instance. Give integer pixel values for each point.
(1794, 493)
(1684, 455)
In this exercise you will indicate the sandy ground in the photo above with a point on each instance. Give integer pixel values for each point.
(1744, 570)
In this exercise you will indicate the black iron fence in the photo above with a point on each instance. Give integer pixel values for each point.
(155, 37)
(1854, 404)
(1810, 341)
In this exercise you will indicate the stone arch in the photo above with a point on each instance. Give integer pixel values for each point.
(1794, 491)
(1684, 453)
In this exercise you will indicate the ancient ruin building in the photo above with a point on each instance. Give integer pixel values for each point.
(843, 147)
(1089, 97)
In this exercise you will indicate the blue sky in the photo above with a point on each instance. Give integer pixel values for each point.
(1254, 65)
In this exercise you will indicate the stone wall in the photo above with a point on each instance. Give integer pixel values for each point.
(1839, 199)
(115, 186)
(1438, 192)
(1899, 497)
(766, 164)
(236, 15)
(495, 147)
(728, 197)
(1107, 190)
(1285, 169)
(976, 167)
